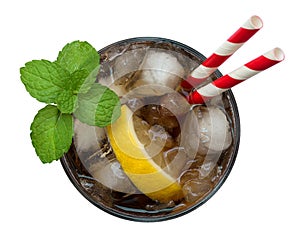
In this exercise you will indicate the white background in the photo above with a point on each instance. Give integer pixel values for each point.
(259, 201)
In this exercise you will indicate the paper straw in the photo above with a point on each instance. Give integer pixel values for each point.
(263, 62)
(233, 43)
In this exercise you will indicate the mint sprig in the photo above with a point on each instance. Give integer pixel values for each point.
(68, 86)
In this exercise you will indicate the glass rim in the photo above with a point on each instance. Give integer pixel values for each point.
(227, 171)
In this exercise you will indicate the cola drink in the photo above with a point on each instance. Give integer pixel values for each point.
(195, 144)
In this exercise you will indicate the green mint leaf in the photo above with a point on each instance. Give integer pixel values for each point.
(82, 80)
(100, 106)
(66, 101)
(44, 80)
(51, 133)
(78, 55)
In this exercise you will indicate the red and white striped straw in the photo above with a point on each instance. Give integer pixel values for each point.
(263, 62)
(233, 43)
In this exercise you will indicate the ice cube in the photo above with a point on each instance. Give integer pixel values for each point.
(106, 78)
(105, 75)
(141, 128)
(206, 130)
(117, 70)
(176, 160)
(195, 189)
(194, 186)
(128, 62)
(189, 135)
(175, 103)
(86, 138)
(191, 174)
(159, 67)
(160, 136)
(111, 175)
(214, 130)
(134, 103)
(209, 165)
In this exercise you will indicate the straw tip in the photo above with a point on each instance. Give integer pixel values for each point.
(278, 54)
(256, 22)
(275, 54)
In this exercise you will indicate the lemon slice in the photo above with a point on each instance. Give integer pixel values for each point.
(145, 174)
